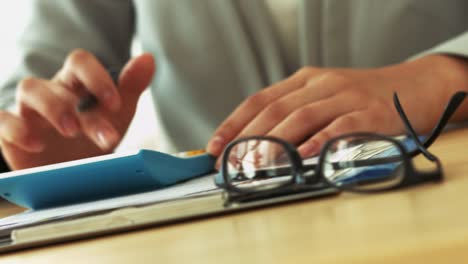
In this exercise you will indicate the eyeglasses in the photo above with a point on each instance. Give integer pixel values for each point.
(262, 166)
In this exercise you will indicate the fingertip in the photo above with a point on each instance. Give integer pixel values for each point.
(309, 149)
(218, 164)
(148, 56)
(145, 62)
(16, 132)
(69, 126)
(30, 144)
(106, 137)
(216, 145)
(136, 75)
(35, 145)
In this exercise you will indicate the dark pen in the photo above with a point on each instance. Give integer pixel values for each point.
(88, 102)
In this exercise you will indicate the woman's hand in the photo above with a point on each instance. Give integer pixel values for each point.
(315, 105)
(46, 128)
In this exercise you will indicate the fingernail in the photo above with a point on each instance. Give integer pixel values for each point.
(35, 145)
(216, 145)
(69, 125)
(105, 138)
(309, 149)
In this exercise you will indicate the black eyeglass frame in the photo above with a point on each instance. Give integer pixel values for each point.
(298, 170)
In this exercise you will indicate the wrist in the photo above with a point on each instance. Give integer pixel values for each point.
(451, 69)
(434, 79)
(449, 72)
(452, 72)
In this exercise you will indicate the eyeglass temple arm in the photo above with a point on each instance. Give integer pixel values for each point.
(424, 176)
(410, 128)
(451, 107)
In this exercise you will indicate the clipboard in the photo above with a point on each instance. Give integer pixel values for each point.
(105, 222)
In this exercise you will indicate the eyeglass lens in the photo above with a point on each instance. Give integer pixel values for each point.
(258, 164)
(363, 164)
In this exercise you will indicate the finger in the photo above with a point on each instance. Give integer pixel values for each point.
(309, 119)
(250, 108)
(99, 129)
(15, 131)
(134, 78)
(278, 111)
(54, 105)
(83, 70)
(359, 121)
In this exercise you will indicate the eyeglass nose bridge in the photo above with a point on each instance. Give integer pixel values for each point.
(307, 175)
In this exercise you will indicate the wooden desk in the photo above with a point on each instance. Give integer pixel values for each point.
(425, 224)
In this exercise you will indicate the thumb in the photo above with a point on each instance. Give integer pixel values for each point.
(135, 77)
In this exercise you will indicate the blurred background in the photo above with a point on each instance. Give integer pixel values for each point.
(13, 15)
(144, 132)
